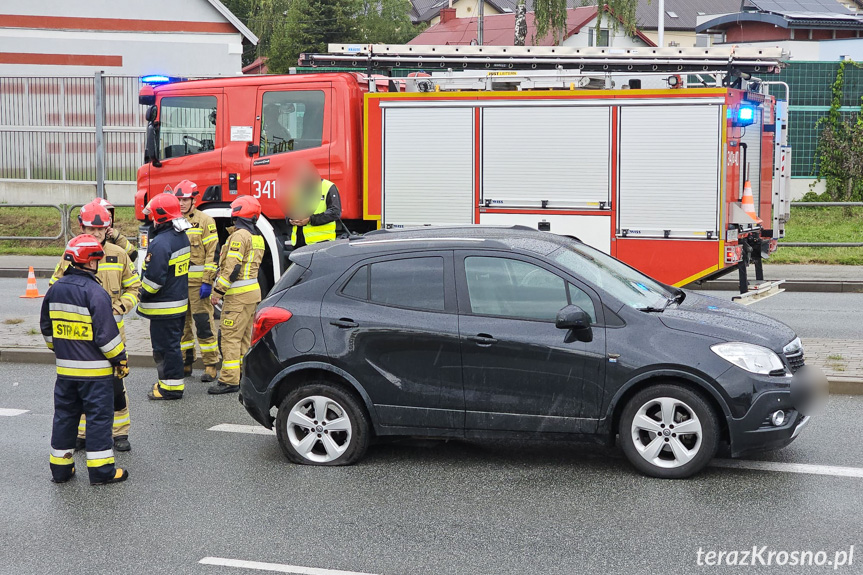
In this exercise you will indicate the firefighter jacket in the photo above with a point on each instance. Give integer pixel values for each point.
(121, 242)
(322, 223)
(78, 325)
(238, 266)
(203, 241)
(117, 276)
(164, 286)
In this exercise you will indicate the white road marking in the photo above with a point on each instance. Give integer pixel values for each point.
(234, 428)
(11, 412)
(277, 567)
(833, 470)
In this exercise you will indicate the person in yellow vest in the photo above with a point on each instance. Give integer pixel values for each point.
(117, 275)
(319, 198)
(203, 240)
(237, 283)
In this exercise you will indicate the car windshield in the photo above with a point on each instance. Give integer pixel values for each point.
(629, 286)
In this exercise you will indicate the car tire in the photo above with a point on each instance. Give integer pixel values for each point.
(322, 424)
(648, 437)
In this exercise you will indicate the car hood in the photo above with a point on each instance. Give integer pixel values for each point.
(713, 317)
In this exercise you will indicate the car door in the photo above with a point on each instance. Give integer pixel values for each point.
(519, 374)
(392, 323)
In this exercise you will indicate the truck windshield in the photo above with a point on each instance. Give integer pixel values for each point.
(606, 273)
(188, 125)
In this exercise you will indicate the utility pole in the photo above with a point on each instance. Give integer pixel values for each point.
(99, 109)
(661, 23)
(479, 24)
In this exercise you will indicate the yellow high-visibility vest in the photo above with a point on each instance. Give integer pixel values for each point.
(315, 234)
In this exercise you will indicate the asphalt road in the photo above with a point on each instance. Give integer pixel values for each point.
(812, 315)
(411, 508)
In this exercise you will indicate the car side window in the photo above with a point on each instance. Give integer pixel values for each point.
(291, 120)
(513, 288)
(416, 283)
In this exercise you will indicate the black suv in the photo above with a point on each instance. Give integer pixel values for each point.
(477, 332)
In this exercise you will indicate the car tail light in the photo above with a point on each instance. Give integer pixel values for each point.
(733, 254)
(266, 319)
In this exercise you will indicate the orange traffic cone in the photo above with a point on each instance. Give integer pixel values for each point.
(32, 289)
(748, 202)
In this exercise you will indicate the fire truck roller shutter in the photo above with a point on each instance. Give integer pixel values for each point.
(669, 170)
(752, 138)
(532, 154)
(428, 166)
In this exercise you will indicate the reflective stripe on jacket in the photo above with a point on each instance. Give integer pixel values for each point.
(78, 324)
(164, 286)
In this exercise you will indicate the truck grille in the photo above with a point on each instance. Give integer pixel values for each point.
(795, 360)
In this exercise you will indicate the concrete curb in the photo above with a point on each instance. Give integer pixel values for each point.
(22, 273)
(819, 286)
(46, 357)
(838, 385)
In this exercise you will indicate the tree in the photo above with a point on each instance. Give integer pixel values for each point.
(309, 26)
(520, 24)
(550, 16)
(384, 22)
(839, 154)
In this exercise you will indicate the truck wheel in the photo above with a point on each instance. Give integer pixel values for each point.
(320, 424)
(669, 431)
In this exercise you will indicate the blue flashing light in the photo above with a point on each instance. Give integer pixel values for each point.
(155, 79)
(746, 114)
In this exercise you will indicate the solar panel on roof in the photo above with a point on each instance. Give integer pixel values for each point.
(797, 6)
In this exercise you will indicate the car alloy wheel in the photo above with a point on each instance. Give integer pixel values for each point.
(319, 429)
(669, 431)
(322, 424)
(666, 432)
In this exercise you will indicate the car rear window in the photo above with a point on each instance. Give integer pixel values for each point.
(416, 283)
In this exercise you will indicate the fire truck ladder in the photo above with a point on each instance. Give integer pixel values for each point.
(734, 60)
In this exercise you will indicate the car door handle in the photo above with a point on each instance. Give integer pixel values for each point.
(483, 339)
(344, 323)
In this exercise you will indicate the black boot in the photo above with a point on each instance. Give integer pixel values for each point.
(121, 443)
(120, 475)
(79, 444)
(221, 388)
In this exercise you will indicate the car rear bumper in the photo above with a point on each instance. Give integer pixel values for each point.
(251, 399)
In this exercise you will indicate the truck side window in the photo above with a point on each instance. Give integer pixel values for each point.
(291, 121)
(188, 125)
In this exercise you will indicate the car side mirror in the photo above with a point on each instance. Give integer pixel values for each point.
(577, 321)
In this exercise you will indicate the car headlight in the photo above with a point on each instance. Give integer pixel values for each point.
(752, 358)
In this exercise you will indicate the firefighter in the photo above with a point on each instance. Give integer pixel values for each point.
(77, 322)
(237, 282)
(320, 198)
(203, 241)
(114, 236)
(165, 292)
(118, 277)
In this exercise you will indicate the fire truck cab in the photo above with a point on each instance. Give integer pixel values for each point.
(654, 177)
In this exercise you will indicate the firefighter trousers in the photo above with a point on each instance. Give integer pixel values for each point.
(165, 335)
(199, 322)
(95, 399)
(236, 326)
(122, 420)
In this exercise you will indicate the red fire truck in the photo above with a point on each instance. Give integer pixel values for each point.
(611, 146)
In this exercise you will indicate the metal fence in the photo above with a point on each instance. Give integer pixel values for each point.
(48, 128)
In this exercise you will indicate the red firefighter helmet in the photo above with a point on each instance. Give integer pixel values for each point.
(186, 189)
(83, 249)
(94, 215)
(163, 208)
(246, 207)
